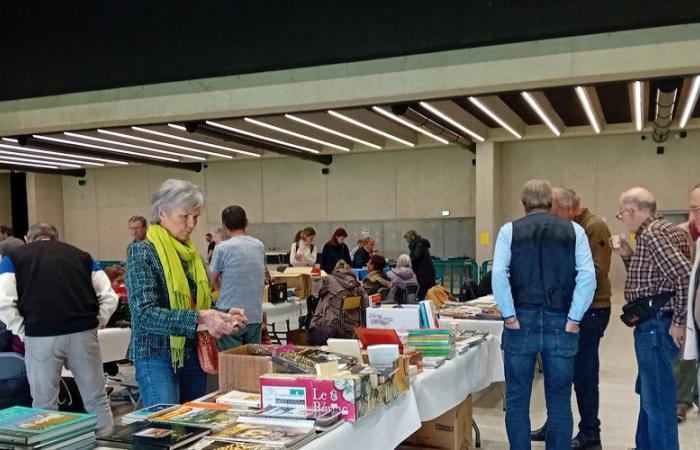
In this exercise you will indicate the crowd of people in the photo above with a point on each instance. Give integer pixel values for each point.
(551, 281)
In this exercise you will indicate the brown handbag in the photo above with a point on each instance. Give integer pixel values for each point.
(208, 353)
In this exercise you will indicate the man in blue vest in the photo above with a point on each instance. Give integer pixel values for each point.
(544, 281)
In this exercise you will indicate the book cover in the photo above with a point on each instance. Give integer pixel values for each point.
(284, 437)
(151, 411)
(240, 398)
(287, 416)
(207, 444)
(23, 425)
(195, 416)
(153, 435)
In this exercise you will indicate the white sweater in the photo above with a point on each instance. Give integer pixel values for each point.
(307, 256)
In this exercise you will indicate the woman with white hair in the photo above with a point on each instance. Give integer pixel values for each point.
(403, 270)
(169, 297)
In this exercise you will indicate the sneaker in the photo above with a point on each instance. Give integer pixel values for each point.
(682, 411)
(538, 435)
(581, 442)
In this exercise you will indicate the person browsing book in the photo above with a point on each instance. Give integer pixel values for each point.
(169, 297)
(376, 279)
(238, 268)
(335, 250)
(363, 253)
(303, 251)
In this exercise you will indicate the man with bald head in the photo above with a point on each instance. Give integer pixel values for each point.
(658, 272)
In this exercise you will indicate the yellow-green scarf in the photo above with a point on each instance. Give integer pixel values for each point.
(172, 253)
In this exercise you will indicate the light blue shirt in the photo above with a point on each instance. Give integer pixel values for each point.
(585, 276)
(241, 262)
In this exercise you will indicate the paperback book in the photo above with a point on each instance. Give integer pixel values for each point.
(208, 444)
(147, 413)
(294, 417)
(240, 399)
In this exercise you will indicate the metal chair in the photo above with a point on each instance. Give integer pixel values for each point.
(14, 386)
(349, 304)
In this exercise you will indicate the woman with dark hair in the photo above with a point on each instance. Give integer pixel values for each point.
(303, 252)
(421, 261)
(335, 250)
(376, 279)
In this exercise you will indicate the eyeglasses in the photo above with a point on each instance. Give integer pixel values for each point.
(619, 215)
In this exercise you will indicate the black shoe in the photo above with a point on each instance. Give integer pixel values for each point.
(581, 442)
(538, 435)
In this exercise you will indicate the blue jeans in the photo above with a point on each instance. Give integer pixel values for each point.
(587, 370)
(657, 426)
(159, 383)
(540, 332)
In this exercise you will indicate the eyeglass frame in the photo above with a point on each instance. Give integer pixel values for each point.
(619, 215)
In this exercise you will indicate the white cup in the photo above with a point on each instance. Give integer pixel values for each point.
(616, 241)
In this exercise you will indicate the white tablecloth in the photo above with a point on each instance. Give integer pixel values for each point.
(114, 342)
(439, 390)
(494, 327)
(279, 313)
(382, 429)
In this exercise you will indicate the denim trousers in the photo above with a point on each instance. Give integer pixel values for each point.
(587, 370)
(545, 333)
(657, 425)
(160, 383)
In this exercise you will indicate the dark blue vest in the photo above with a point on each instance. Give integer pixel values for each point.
(543, 262)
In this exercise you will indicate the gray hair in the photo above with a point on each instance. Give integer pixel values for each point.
(42, 230)
(403, 261)
(172, 194)
(536, 194)
(640, 199)
(566, 197)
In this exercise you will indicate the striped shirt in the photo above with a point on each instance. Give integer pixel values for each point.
(660, 263)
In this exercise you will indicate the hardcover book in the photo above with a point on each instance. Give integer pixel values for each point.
(27, 426)
(198, 416)
(276, 436)
(156, 436)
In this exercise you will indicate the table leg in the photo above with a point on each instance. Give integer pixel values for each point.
(477, 434)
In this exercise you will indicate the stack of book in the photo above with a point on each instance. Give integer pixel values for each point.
(30, 428)
(148, 413)
(292, 417)
(311, 361)
(201, 415)
(432, 343)
(274, 436)
(239, 399)
(152, 436)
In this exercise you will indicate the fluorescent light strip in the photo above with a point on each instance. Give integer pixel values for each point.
(369, 128)
(10, 140)
(451, 121)
(10, 155)
(15, 163)
(637, 93)
(690, 102)
(165, 144)
(18, 152)
(587, 107)
(295, 134)
(194, 141)
(332, 131)
(260, 136)
(475, 101)
(408, 124)
(99, 147)
(139, 147)
(540, 112)
(70, 155)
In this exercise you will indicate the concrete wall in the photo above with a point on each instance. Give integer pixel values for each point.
(599, 169)
(5, 205)
(45, 200)
(384, 193)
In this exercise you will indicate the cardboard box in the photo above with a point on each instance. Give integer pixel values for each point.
(240, 368)
(400, 319)
(300, 282)
(450, 431)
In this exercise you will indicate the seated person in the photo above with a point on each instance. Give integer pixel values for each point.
(329, 319)
(363, 253)
(376, 279)
(402, 276)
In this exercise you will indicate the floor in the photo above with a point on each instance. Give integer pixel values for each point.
(619, 404)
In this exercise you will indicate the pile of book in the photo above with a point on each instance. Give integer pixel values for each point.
(311, 361)
(435, 345)
(30, 428)
(466, 339)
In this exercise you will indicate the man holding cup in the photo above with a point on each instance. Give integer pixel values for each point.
(656, 290)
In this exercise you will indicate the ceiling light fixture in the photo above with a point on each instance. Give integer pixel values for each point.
(691, 101)
(16, 163)
(196, 142)
(295, 134)
(451, 121)
(475, 101)
(164, 144)
(540, 112)
(332, 131)
(408, 124)
(99, 147)
(260, 136)
(637, 88)
(587, 107)
(370, 128)
(87, 159)
(126, 144)
(10, 140)
(9, 155)
(17, 152)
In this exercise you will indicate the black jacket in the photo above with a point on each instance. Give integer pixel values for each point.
(361, 258)
(422, 263)
(331, 254)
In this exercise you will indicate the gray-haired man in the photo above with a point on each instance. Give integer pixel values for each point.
(55, 296)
